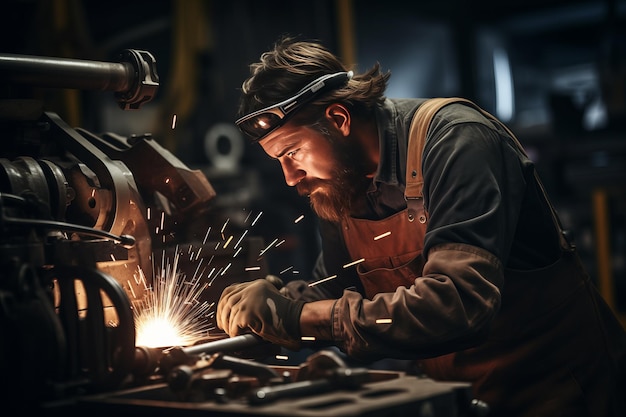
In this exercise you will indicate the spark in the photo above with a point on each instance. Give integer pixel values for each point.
(227, 242)
(162, 219)
(132, 290)
(382, 235)
(282, 357)
(171, 313)
(148, 213)
(383, 321)
(113, 257)
(285, 270)
(308, 338)
(224, 226)
(358, 261)
(206, 235)
(173, 122)
(267, 247)
(280, 243)
(312, 284)
(299, 218)
(252, 268)
(226, 268)
(237, 252)
(241, 238)
(257, 218)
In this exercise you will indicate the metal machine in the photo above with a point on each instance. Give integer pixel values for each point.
(77, 262)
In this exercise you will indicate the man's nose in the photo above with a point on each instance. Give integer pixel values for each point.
(293, 174)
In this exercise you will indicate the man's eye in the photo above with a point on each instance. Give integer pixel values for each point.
(291, 154)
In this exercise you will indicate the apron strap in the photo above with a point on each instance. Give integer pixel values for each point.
(417, 138)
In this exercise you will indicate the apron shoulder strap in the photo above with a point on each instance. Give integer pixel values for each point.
(417, 137)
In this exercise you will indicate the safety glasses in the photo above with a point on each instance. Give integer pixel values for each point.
(261, 122)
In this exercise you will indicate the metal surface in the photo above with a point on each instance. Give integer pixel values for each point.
(387, 394)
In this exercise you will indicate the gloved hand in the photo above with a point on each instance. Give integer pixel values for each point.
(259, 306)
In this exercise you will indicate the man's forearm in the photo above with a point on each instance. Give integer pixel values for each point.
(315, 320)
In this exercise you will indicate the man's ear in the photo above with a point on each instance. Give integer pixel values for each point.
(339, 116)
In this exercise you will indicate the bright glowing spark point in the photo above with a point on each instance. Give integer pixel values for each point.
(308, 338)
(132, 290)
(285, 270)
(241, 238)
(162, 219)
(382, 235)
(268, 246)
(112, 257)
(383, 321)
(171, 314)
(257, 218)
(227, 242)
(311, 284)
(226, 268)
(299, 218)
(282, 357)
(224, 227)
(237, 252)
(280, 243)
(173, 122)
(148, 213)
(252, 268)
(206, 235)
(358, 261)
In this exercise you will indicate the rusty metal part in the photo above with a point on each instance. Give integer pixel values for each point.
(155, 168)
(183, 375)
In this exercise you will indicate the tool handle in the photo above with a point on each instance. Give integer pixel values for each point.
(268, 394)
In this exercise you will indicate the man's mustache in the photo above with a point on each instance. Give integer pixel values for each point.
(307, 186)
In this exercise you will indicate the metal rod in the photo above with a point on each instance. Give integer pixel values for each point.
(66, 73)
(230, 344)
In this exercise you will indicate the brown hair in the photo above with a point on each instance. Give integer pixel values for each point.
(290, 65)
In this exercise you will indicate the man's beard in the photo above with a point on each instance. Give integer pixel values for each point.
(333, 199)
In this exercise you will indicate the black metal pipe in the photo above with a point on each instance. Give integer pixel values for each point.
(134, 79)
(230, 344)
(66, 73)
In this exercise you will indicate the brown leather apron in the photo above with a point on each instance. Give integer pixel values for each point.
(523, 365)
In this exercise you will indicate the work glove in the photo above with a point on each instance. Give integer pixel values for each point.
(259, 306)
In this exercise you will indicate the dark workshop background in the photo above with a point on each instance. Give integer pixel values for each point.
(554, 70)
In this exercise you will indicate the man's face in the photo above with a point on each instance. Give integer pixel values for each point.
(326, 167)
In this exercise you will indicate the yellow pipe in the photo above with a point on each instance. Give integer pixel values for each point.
(603, 245)
(345, 18)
